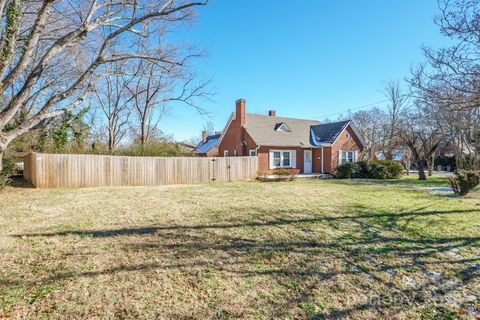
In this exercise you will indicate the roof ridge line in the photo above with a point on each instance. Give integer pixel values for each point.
(267, 116)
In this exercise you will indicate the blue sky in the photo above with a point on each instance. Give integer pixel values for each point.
(303, 58)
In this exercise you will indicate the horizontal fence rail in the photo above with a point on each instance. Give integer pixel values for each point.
(80, 171)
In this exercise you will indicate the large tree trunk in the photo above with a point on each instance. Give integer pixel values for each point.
(111, 142)
(430, 164)
(143, 137)
(421, 170)
(3, 147)
(389, 155)
(408, 163)
(1, 160)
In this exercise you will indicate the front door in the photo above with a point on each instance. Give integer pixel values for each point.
(307, 161)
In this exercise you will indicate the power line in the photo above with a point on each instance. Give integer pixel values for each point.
(352, 109)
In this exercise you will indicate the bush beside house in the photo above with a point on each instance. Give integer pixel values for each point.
(378, 169)
(287, 174)
(464, 181)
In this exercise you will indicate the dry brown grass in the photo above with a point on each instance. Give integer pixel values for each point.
(303, 249)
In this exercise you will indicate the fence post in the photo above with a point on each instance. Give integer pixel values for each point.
(213, 162)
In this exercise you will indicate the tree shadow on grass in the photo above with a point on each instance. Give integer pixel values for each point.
(302, 263)
(278, 222)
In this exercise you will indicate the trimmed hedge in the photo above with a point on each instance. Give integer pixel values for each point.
(378, 169)
(345, 171)
(393, 169)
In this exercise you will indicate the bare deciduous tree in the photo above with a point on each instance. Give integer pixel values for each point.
(114, 101)
(155, 89)
(396, 105)
(371, 124)
(449, 81)
(420, 133)
(51, 52)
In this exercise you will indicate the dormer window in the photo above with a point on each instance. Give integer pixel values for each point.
(282, 127)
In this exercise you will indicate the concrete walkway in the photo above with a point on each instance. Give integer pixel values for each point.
(314, 176)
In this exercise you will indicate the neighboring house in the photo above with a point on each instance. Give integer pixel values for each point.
(398, 155)
(305, 146)
(185, 147)
(208, 147)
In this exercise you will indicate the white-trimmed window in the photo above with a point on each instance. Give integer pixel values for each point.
(282, 159)
(225, 153)
(347, 156)
(252, 152)
(234, 152)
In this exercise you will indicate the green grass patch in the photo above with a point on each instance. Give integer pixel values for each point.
(307, 249)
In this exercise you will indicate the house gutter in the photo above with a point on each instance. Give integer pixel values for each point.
(322, 160)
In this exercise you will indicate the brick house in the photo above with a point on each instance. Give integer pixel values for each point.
(299, 145)
(208, 147)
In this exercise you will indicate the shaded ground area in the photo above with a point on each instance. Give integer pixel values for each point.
(308, 249)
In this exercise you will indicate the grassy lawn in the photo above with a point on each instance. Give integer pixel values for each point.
(412, 179)
(409, 181)
(316, 249)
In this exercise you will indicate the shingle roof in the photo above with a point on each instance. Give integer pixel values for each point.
(262, 130)
(326, 133)
(210, 143)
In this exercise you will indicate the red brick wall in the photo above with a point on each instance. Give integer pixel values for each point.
(213, 153)
(344, 143)
(264, 158)
(231, 139)
(317, 160)
(330, 154)
(235, 134)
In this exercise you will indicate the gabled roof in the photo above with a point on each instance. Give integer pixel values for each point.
(327, 133)
(210, 143)
(262, 129)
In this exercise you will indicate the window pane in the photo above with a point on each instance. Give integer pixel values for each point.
(276, 159)
(286, 159)
(308, 156)
(350, 156)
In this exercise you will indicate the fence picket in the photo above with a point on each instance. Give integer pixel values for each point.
(77, 171)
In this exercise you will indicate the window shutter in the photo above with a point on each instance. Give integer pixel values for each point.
(355, 156)
(293, 160)
(270, 159)
(339, 157)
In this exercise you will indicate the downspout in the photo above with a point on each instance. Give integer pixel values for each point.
(322, 160)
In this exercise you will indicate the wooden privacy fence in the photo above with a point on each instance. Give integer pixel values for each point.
(78, 170)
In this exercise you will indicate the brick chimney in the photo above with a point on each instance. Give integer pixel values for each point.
(240, 111)
(271, 113)
(204, 136)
